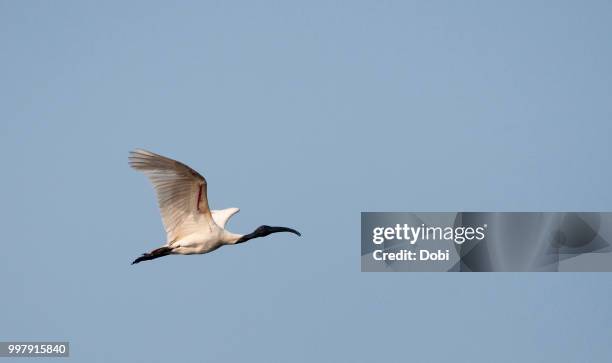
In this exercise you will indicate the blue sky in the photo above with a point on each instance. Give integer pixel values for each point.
(304, 115)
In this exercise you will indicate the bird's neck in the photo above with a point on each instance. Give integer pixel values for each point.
(230, 238)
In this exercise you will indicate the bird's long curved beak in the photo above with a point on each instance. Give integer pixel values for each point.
(284, 229)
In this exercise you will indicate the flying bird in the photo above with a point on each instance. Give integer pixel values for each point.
(191, 227)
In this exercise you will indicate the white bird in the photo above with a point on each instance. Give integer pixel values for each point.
(191, 227)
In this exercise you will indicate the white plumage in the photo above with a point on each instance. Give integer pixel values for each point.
(191, 227)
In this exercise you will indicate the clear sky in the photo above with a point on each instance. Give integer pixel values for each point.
(303, 115)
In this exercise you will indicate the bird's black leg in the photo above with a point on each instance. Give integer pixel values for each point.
(156, 253)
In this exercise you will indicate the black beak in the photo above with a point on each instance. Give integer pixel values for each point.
(263, 231)
(284, 229)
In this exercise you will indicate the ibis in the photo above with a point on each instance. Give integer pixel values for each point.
(191, 227)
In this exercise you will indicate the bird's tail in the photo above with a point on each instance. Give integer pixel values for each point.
(156, 253)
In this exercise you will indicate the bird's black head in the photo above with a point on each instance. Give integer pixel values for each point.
(264, 230)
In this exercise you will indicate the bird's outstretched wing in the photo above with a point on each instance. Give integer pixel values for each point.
(181, 192)
(222, 216)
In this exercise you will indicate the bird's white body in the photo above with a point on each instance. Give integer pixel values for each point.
(191, 227)
(209, 237)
